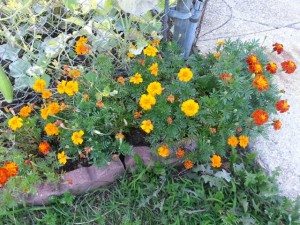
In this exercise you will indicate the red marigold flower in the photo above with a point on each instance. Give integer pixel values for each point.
(277, 124)
(226, 77)
(3, 176)
(260, 117)
(271, 67)
(282, 106)
(188, 164)
(256, 68)
(252, 59)
(261, 83)
(277, 47)
(288, 66)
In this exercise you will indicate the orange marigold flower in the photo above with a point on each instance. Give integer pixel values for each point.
(163, 151)
(121, 80)
(39, 85)
(74, 73)
(81, 46)
(51, 129)
(188, 164)
(232, 141)
(282, 106)
(53, 108)
(25, 111)
(154, 69)
(12, 168)
(44, 147)
(288, 66)
(216, 161)
(180, 153)
(3, 176)
(171, 98)
(261, 83)
(271, 67)
(256, 68)
(277, 47)
(137, 115)
(260, 117)
(46, 94)
(252, 59)
(226, 77)
(243, 141)
(277, 124)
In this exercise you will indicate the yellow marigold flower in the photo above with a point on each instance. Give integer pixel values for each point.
(74, 73)
(243, 141)
(15, 123)
(61, 87)
(216, 161)
(51, 129)
(154, 69)
(190, 107)
(136, 78)
(185, 74)
(217, 55)
(155, 42)
(25, 111)
(82, 40)
(39, 85)
(120, 136)
(53, 108)
(147, 101)
(150, 51)
(154, 88)
(62, 158)
(130, 55)
(77, 137)
(46, 93)
(44, 113)
(147, 126)
(71, 88)
(220, 42)
(163, 151)
(232, 141)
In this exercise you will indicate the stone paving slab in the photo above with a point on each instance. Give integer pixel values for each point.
(268, 21)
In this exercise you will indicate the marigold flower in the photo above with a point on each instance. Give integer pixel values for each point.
(121, 80)
(74, 73)
(147, 126)
(15, 123)
(77, 137)
(53, 108)
(185, 74)
(147, 101)
(271, 67)
(252, 59)
(154, 69)
(282, 106)
(39, 85)
(216, 161)
(169, 120)
(188, 164)
(85, 97)
(155, 42)
(100, 104)
(12, 168)
(232, 141)
(213, 130)
(71, 88)
(220, 42)
(180, 153)
(261, 83)
(51, 129)
(256, 68)
(62, 158)
(120, 136)
(260, 117)
(190, 107)
(137, 115)
(277, 124)
(288, 66)
(277, 47)
(150, 51)
(46, 94)
(3, 176)
(61, 87)
(217, 55)
(25, 111)
(226, 77)
(44, 113)
(243, 141)
(130, 55)
(81, 46)
(154, 88)
(163, 151)
(44, 147)
(171, 98)
(136, 78)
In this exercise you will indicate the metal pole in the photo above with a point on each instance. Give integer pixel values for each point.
(165, 20)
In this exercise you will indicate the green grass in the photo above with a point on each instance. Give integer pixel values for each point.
(164, 196)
